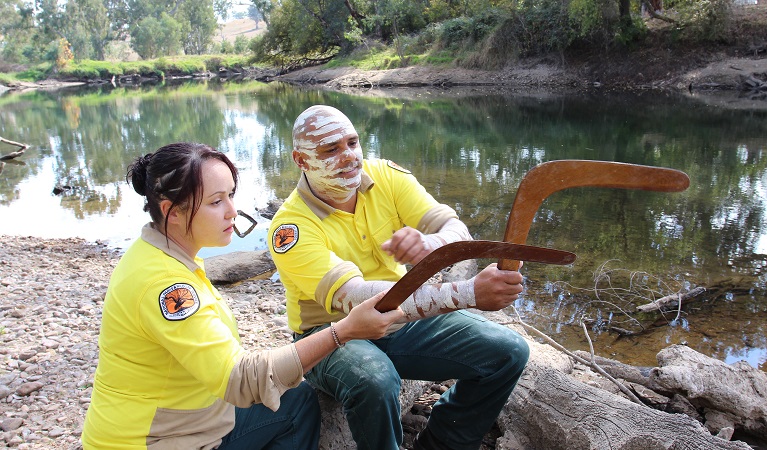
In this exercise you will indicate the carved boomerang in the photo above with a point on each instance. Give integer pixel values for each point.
(460, 251)
(549, 177)
(540, 182)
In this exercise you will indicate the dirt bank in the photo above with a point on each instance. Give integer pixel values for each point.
(713, 73)
(717, 81)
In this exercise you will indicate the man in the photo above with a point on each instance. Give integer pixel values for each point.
(344, 234)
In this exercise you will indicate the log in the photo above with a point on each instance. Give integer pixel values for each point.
(670, 301)
(729, 395)
(551, 408)
(15, 154)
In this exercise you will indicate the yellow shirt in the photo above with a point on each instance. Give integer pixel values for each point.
(317, 248)
(170, 355)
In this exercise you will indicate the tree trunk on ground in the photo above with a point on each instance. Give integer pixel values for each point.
(729, 395)
(555, 407)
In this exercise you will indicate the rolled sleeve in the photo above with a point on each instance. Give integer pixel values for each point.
(262, 377)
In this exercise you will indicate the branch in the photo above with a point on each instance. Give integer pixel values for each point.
(15, 154)
(591, 364)
(671, 300)
(651, 11)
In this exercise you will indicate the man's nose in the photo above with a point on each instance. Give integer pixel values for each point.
(347, 153)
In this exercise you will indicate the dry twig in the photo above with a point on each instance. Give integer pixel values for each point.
(591, 364)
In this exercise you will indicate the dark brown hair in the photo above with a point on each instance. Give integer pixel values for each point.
(173, 172)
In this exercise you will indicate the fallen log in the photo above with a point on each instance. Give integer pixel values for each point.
(12, 155)
(728, 394)
(671, 301)
(550, 410)
(556, 407)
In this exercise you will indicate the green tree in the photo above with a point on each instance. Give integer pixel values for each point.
(87, 28)
(16, 29)
(198, 24)
(260, 9)
(153, 37)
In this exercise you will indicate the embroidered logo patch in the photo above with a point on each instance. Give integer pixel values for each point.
(396, 166)
(179, 301)
(285, 237)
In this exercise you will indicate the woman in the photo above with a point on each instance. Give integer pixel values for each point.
(171, 371)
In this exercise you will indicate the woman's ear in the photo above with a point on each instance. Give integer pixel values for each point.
(172, 215)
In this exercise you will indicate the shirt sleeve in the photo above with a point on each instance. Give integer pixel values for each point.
(205, 343)
(313, 267)
(415, 206)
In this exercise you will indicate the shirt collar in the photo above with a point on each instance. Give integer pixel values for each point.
(319, 207)
(154, 237)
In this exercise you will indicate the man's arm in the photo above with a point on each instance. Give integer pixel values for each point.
(409, 246)
(491, 290)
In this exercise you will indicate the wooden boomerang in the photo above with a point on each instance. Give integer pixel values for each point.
(549, 177)
(460, 251)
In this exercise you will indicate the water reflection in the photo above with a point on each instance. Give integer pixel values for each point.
(470, 152)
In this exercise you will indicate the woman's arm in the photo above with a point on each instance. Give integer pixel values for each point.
(363, 322)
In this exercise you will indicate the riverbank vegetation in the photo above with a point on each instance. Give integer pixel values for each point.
(88, 39)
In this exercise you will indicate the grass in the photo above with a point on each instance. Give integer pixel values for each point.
(382, 58)
(160, 67)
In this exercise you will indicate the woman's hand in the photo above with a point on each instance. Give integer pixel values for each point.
(366, 322)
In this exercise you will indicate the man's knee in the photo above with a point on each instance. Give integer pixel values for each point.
(378, 383)
(511, 347)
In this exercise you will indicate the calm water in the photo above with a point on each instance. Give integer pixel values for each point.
(470, 152)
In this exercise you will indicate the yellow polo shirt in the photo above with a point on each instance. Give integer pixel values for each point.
(171, 367)
(317, 248)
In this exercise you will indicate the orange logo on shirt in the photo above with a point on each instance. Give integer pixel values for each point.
(396, 166)
(284, 237)
(179, 301)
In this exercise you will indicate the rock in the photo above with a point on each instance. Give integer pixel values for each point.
(5, 391)
(28, 388)
(239, 266)
(56, 432)
(11, 424)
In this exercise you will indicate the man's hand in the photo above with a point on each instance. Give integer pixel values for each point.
(409, 246)
(495, 289)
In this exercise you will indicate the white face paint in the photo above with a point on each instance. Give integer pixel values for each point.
(329, 147)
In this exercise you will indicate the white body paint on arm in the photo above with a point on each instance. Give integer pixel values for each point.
(428, 300)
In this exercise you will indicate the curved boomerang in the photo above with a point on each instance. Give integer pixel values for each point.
(537, 184)
(460, 251)
(553, 176)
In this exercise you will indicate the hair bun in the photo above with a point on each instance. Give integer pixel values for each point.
(137, 173)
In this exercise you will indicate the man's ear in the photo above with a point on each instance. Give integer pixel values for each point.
(298, 158)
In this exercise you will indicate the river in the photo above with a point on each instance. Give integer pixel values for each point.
(470, 151)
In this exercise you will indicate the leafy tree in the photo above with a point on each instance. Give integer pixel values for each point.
(241, 44)
(260, 9)
(198, 24)
(222, 8)
(16, 29)
(87, 28)
(153, 37)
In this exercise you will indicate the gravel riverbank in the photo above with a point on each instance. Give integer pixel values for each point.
(51, 292)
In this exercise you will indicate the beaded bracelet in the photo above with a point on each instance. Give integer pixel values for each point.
(335, 336)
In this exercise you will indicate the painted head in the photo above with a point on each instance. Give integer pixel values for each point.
(326, 147)
(183, 180)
